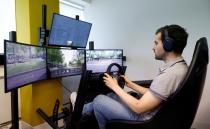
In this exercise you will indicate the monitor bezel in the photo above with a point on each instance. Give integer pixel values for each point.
(74, 47)
(65, 48)
(101, 50)
(6, 90)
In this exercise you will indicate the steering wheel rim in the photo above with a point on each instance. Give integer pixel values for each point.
(120, 80)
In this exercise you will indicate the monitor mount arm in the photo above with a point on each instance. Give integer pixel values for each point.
(43, 32)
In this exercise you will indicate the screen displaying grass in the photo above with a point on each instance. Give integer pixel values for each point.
(24, 64)
(65, 62)
(99, 59)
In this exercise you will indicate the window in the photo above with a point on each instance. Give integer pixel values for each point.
(71, 9)
(7, 22)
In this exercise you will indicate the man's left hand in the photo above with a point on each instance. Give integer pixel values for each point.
(110, 82)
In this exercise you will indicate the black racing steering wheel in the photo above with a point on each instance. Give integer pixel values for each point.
(116, 75)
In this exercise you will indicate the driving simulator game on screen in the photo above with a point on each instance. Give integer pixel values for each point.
(64, 62)
(99, 59)
(24, 64)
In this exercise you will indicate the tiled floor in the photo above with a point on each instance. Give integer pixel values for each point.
(23, 125)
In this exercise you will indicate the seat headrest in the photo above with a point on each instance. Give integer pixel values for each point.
(201, 51)
(199, 61)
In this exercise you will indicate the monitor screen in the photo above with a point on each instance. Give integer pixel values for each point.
(64, 62)
(24, 64)
(66, 31)
(99, 59)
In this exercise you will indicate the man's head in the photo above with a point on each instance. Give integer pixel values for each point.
(169, 39)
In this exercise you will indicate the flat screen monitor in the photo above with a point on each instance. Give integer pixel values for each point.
(99, 59)
(67, 31)
(63, 62)
(24, 64)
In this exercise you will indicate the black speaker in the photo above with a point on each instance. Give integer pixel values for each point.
(77, 17)
(1, 59)
(12, 36)
(124, 58)
(91, 45)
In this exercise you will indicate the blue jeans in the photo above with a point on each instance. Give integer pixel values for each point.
(109, 107)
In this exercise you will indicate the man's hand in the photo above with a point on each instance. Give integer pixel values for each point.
(127, 81)
(110, 82)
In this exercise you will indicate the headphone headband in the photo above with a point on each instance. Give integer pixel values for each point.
(166, 33)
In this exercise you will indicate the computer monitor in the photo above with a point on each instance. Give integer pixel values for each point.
(66, 31)
(99, 59)
(24, 64)
(63, 62)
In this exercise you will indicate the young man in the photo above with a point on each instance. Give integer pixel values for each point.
(168, 46)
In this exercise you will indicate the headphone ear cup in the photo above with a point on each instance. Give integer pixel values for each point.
(168, 44)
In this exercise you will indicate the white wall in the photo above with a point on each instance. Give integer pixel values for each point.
(5, 100)
(7, 22)
(131, 25)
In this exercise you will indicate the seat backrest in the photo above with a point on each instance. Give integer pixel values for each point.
(179, 110)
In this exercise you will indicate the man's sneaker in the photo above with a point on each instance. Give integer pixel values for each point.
(73, 97)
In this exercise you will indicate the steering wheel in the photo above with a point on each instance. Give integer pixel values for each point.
(116, 75)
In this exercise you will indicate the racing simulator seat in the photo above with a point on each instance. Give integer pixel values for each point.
(179, 111)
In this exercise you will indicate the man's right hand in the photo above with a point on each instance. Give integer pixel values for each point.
(127, 80)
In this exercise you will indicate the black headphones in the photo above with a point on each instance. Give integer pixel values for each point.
(117, 75)
(168, 43)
